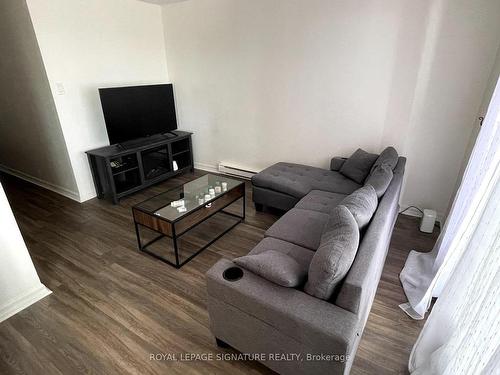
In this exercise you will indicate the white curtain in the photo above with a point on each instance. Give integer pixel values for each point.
(425, 274)
(462, 333)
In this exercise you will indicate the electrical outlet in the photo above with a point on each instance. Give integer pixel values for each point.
(60, 89)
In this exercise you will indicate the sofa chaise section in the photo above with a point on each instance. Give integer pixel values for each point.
(282, 185)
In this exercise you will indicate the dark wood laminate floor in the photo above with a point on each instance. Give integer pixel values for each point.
(112, 306)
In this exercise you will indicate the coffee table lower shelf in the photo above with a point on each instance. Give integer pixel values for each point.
(169, 229)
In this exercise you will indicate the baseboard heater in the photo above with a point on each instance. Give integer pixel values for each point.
(232, 170)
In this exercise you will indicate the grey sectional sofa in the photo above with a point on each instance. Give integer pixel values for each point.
(254, 315)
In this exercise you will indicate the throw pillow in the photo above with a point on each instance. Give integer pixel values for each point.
(380, 178)
(358, 165)
(276, 267)
(362, 204)
(334, 257)
(389, 156)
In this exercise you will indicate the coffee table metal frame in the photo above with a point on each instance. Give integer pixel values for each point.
(175, 236)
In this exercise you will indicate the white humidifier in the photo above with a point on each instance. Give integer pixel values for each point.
(428, 221)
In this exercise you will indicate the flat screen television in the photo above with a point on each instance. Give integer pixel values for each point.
(138, 111)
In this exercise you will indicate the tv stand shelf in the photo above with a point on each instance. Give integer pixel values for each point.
(120, 171)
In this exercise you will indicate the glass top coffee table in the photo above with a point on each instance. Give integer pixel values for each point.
(179, 210)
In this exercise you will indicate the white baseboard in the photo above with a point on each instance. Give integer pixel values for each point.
(14, 306)
(42, 183)
(87, 196)
(206, 167)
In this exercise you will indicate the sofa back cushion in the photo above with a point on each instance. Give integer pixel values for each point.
(360, 284)
(362, 204)
(275, 266)
(389, 157)
(358, 165)
(380, 178)
(335, 254)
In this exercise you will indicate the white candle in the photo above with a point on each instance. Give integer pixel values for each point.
(178, 203)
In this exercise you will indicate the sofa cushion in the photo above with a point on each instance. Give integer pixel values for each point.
(358, 165)
(336, 163)
(362, 204)
(276, 267)
(298, 180)
(284, 177)
(300, 227)
(380, 178)
(299, 253)
(335, 182)
(335, 255)
(321, 201)
(389, 156)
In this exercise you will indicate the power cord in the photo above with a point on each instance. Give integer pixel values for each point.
(407, 208)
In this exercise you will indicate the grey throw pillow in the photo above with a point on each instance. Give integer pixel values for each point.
(334, 257)
(380, 178)
(389, 157)
(358, 165)
(362, 204)
(276, 267)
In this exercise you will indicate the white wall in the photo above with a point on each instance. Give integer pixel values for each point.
(263, 81)
(19, 282)
(32, 145)
(454, 76)
(87, 44)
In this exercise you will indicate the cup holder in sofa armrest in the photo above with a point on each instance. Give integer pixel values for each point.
(232, 274)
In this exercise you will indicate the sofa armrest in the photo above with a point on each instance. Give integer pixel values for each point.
(309, 320)
(336, 163)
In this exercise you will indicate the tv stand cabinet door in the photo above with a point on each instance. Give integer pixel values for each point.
(99, 175)
(156, 162)
(141, 167)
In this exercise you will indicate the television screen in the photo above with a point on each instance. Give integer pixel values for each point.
(138, 111)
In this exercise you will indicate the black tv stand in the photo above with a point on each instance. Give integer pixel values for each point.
(169, 135)
(145, 141)
(122, 169)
